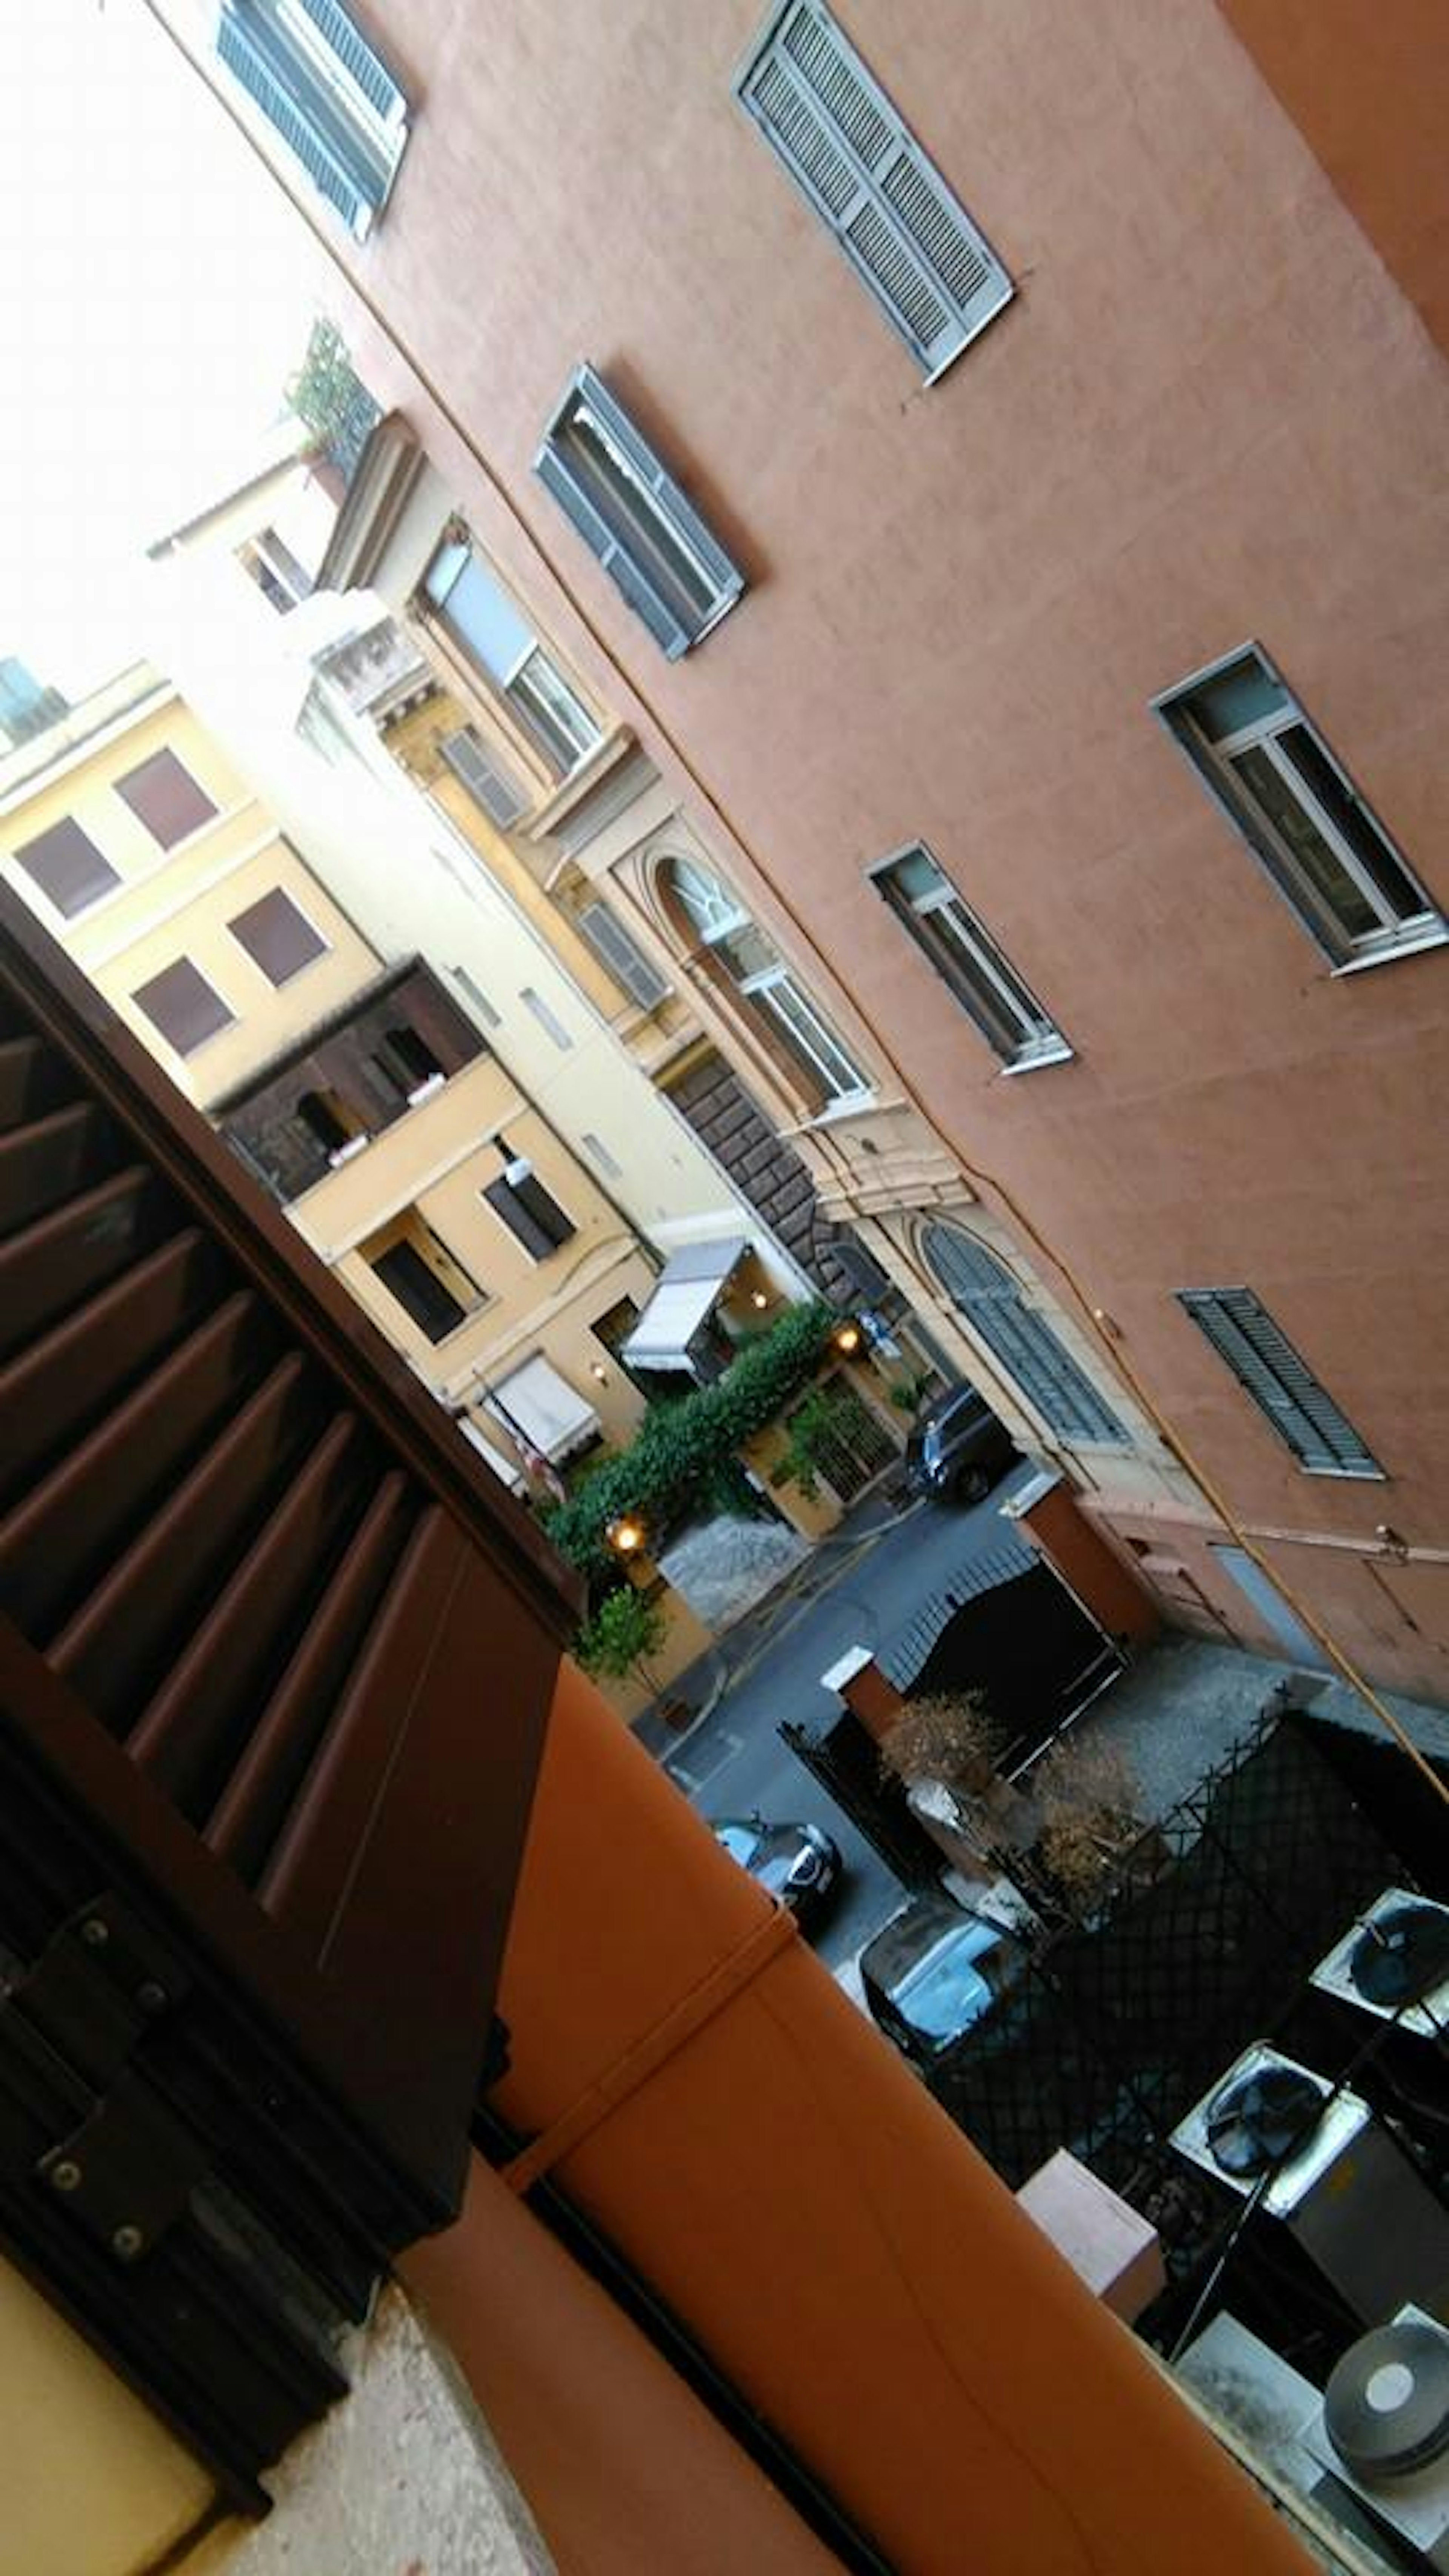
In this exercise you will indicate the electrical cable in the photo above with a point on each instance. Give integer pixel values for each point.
(987, 1185)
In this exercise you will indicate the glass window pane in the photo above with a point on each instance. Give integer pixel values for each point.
(66, 865)
(277, 937)
(811, 1038)
(1242, 695)
(703, 898)
(1320, 863)
(486, 623)
(1367, 844)
(551, 713)
(747, 952)
(183, 1006)
(916, 875)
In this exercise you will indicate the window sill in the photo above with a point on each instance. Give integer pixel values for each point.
(854, 1104)
(1430, 934)
(1345, 1475)
(1039, 1058)
(582, 779)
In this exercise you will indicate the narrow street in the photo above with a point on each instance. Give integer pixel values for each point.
(733, 1761)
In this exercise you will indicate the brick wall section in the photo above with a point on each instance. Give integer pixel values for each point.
(763, 1168)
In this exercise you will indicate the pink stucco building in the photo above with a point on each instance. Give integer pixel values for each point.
(1006, 509)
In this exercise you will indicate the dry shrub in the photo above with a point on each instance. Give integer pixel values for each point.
(948, 1737)
(1090, 1806)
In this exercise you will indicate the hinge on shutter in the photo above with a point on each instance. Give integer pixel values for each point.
(123, 2167)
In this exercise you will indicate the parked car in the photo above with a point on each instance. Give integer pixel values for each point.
(799, 1864)
(933, 1973)
(957, 1449)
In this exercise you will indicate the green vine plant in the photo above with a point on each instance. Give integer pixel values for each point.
(685, 1455)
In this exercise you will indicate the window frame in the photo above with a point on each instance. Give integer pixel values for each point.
(971, 964)
(354, 167)
(402, 1233)
(726, 918)
(319, 956)
(1349, 952)
(996, 288)
(1229, 1327)
(550, 739)
(657, 505)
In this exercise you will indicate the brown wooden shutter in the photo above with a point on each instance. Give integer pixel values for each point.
(275, 1657)
(166, 798)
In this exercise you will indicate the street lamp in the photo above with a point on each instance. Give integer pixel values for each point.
(625, 1537)
(848, 1339)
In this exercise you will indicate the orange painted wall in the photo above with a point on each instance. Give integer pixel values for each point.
(796, 2197)
(1209, 414)
(1368, 88)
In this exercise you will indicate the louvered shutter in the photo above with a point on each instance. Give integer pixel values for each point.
(1267, 1366)
(334, 171)
(486, 779)
(627, 963)
(623, 549)
(893, 215)
(275, 1657)
(1021, 1339)
(357, 58)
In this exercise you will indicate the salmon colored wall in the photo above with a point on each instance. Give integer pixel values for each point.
(1209, 414)
(797, 2198)
(1368, 89)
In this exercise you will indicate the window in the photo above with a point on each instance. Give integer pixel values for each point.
(491, 1019)
(476, 611)
(328, 95)
(277, 937)
(331, 1122)
(183, 1006)
(652, 543)
(746, 957)
(613, 945)
(1253, 746)
(416, 1268)
(407, 1061)
(488, 782)
(165, 797)
(528, 1210)
(1005, 1010)
(608, 1164)
(1030, 1354)
(68, 868)
(901, 228)
(1284, 1388)
(274, 568)
(548, 1020)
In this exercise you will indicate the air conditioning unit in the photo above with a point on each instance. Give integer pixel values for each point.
(1383, 2430)
(1329, 2173)
(1393, 1961)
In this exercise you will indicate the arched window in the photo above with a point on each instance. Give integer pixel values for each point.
(1048, 1377)
(750, 962)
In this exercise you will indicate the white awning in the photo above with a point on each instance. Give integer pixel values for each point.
(542, 1408)
(685, 1296)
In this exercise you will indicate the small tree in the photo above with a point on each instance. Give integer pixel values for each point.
(948, 1737)
(625, 1630)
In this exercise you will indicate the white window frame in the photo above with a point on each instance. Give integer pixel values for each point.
(657, 508)
(971, 965)
(1396, 934)
(542, 712)
(720, 917)
(878, 175)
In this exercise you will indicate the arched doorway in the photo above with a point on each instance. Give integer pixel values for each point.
(1048, 1378)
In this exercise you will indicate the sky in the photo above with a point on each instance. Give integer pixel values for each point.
(155, 294)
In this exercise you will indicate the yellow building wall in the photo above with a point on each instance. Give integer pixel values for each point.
(177, 903)
(91, 2483)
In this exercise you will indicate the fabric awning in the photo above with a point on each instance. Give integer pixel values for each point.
(541, 1407)
(685, 1296)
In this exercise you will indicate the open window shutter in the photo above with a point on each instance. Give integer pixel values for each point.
(627, 963)
(558, 477)
(896, 220)
(485, 777)
(341, 176)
